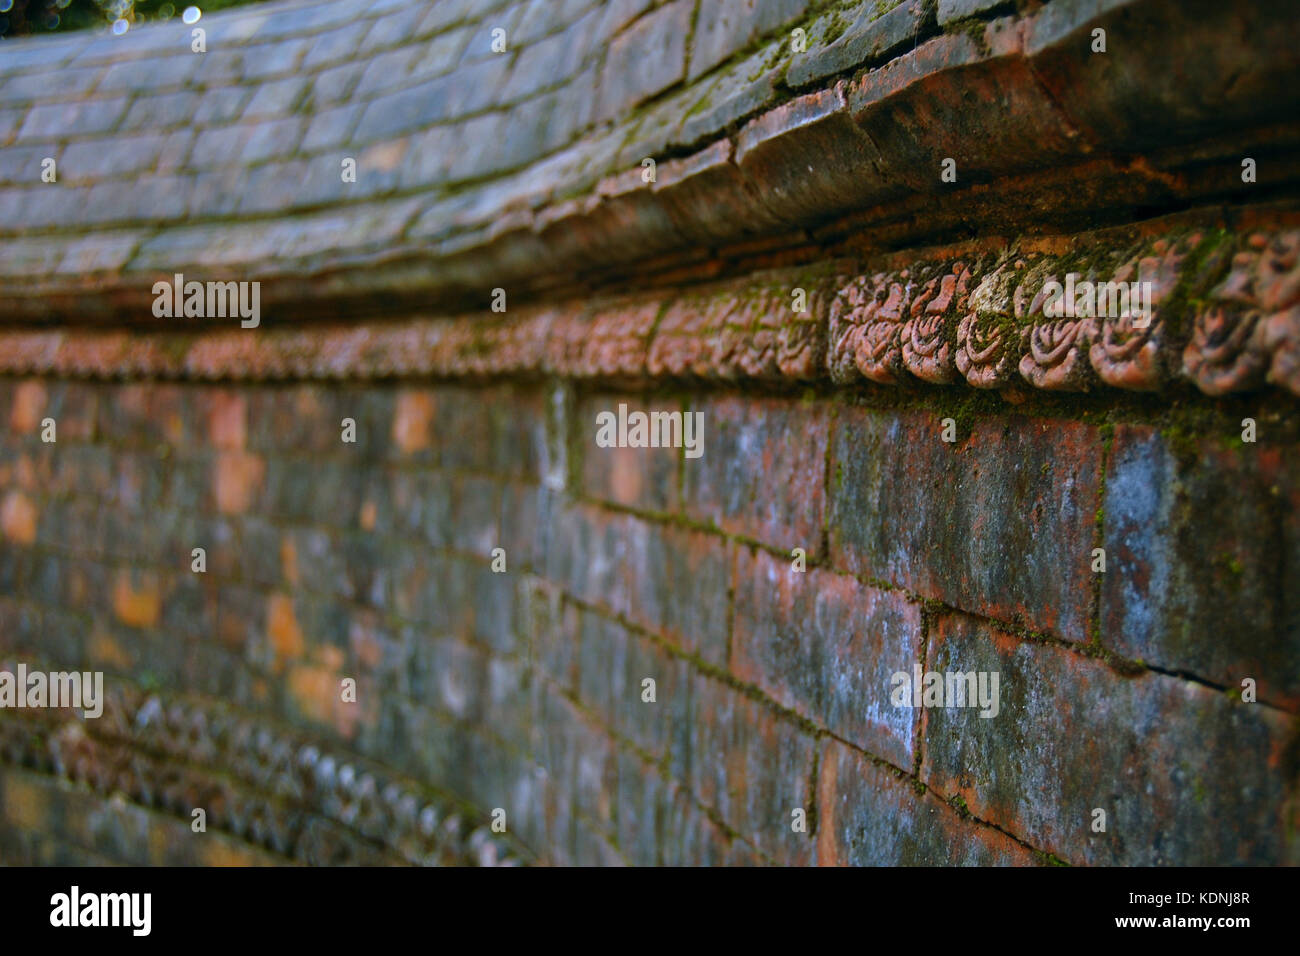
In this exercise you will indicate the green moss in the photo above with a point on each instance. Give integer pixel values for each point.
(972, 28)
(835, 29)
(1049, 859)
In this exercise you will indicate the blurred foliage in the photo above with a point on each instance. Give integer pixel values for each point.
(26, 17)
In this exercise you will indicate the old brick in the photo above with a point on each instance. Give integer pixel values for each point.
(1159, 754)
(677, 582)
(932, 89)
(1198, 544)
(754, 769)
(411, 424)
(871, 816)
(227, 419)
(1001, 524)
(646, 59)
(237, 479)
(807, 158)
(137, 601)
(28, 407)
(826, 646)
(644, 478)
(613, 665)
(953, 10)
(586, 551)
(870, 37)
(761, 473)
(724, 29)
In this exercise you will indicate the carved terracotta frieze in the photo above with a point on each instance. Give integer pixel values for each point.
(929, 335)
(1217, 309)
(1247, 335)
(866, 319)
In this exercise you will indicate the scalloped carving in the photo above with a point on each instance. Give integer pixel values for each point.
(1132, 351)
(1234, 342)
(929, 335)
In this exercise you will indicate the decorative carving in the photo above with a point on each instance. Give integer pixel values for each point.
(1057, 359)
(928, 337)
(934, 320)
(1279, 291)
(1228, 351)
(870, 313)
(989, 342)
(1131, 349)
(260, 783)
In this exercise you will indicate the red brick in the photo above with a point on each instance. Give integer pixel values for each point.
(677, 581)
(1161, 755)
(869, 816)
(136, 599)
(18, 518)
(761, 475)
(825, 646)
(237, 479)
(1001, 524)
(412, 423)
(227, 419)
(642, 478)
(28, 407)
(808, 159)
(754, 769)
(1203, 539)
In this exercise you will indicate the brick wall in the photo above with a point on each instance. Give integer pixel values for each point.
(522, 689)
(396, 644)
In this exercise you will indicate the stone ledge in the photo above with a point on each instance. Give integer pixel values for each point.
(1011, 99)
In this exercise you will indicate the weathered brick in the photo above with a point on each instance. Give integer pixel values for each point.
(807, 158)
(585, 553)
(646, 59)
(613, 663)
(690, 837)
(18, 518)
(1001, 524)
(27, 407)
(931, 89)
(754, 769)
(1201, 540)
(724, 29)
(51, 120)
(1158, 754)
(761, 472)
(871, 816)
(677, 582)
(237, 479)
(227, 419)
(870, 37)
(826, 646)
(275, 98)
(952, 10)
(643, 478)
(641, 795)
